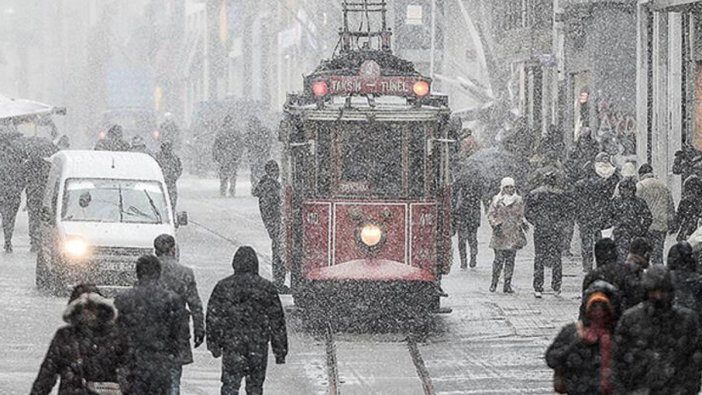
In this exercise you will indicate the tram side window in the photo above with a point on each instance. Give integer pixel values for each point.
(371, 160)
(324, 134)
(416, 147)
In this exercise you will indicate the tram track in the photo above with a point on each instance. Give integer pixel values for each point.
(335, 382)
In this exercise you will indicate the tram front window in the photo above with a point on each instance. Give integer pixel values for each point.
(371, 160)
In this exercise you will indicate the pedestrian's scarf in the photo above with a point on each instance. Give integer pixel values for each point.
(507, 200)
(599, 331)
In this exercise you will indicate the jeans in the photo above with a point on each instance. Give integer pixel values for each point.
(471, 237)
(503, 258)
(588, 236)
(547, 252)
(8, 211)
(657, 240)
(249, 362)
(176, 373)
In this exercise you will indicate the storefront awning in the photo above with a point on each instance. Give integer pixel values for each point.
(676, 5)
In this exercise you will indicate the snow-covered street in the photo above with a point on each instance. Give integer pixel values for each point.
(490, 343)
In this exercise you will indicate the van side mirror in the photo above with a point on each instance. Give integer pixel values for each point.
(182, 218)
(46, 215)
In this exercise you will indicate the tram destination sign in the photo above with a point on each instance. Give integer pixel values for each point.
(380, 85)
(370, 81)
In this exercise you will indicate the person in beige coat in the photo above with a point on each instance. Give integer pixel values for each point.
(506, 216)
(660, 202)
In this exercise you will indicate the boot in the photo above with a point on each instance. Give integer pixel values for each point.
(493, 285)
(473, 260)
(508, 286)
(8, 247)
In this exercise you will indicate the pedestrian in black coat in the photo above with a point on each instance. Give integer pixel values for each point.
(150, 316)
(467, 191)
(12, 183)
(268, 193)
(180, 279)
(656, 344)
(581, 354)
(114, 141)
(593, 193)
(244, 314)
(172, 168)
(631, 216)
(88, 350)
(636, 262)
(227, 152)
(548, 208)
(686, 281)
(258, 145)
(36, 173)
(690, 207)
(609, 267)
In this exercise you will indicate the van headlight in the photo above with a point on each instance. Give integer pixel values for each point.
(75, 247)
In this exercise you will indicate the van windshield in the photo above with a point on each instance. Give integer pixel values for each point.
(116, 201)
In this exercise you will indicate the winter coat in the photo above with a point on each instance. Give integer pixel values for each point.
(228, 146)
(688, 290)
(613, 273)
(171, 166)
(659, 200)
(170, 132)
(631, 290)
(690, 208)
(244, 312)
(577, 360)
(630, 217)
(12, 180)
(654, 350)
(36, 171)
(466, 204)
(548, 207)
(181, 280)
(268, 193)
(151, 317)
(79, 351)
(507, 224)
(110, 144)
(593, 198)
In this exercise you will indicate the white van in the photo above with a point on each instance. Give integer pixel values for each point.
(101, 211)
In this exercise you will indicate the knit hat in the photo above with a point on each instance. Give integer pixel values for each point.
(507, 182)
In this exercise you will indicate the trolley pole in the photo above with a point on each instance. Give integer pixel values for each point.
(433, 39)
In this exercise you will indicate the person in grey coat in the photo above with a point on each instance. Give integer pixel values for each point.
(181, 280)
(659, 199)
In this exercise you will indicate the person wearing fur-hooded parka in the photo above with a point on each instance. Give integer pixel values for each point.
(88, 350)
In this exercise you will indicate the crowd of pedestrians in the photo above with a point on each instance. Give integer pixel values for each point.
(139, 344)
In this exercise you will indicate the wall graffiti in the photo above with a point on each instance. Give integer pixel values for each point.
(618, 125)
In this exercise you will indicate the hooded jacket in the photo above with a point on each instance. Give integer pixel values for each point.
(686, 281)
(656, 343)
(244, 308)
(506, 219)
(594, 198)
(93, 351)
(577, 352)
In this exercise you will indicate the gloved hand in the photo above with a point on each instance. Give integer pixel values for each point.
(280, 360)
(199, 338)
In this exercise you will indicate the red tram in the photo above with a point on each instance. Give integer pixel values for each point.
(366, 177)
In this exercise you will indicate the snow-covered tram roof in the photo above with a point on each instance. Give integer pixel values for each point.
(383, 109)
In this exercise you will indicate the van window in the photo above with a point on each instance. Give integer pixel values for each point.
(116, 201)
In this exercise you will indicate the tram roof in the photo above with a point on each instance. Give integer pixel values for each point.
(385, 109)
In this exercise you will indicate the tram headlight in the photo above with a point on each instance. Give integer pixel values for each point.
(421, 88)
(371, 235)
(75, 247)
(320, 88)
